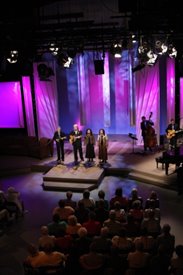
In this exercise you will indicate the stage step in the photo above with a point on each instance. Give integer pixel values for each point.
(154, 180)
(65, 186)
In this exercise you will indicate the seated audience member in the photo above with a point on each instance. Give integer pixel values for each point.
(4, 214)
(123, 243)
(57, 226)
(176, 262)
(72, 226)
(159, 263)
(119, 197)
(63, 210)
(35, 257)
(112, 224)
(149, 243)
(101, 212)
(138, 260)
(13, 196)
(153, 196)
(166, 239)
(152, 205)
(102, 242)
(87, 200)
(119, 212)
(93, 260)
(45, 238)
(64, 242)
(52, 257)
(82, 212)
(151, 224)
(134, 197)
(137, 212)
(82, 243)
(69, 201)
(92, 225)
(132, 227)
(101, 196)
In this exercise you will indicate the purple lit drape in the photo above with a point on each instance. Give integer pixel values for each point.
(181, 102)
(46, 102)
(170, 80)
(11, 111)
(28, 105)
(147, 97)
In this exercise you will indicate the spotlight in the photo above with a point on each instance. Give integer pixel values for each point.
(117, 50)
(53, 49)
(13, 57)
(64, 59)
(152, 57)
(172, 52)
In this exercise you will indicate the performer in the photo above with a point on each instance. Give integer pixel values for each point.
(89, 141)
(144, 127)
(171, 130)
(76, 141)
(102, 141)
(59, 137)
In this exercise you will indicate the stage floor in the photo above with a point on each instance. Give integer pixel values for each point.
(124, 159)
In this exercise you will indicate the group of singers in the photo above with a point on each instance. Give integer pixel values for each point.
(76, 138)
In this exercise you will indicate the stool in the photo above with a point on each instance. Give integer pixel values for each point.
(160, 160)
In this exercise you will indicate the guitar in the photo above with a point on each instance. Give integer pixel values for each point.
(172, 133)
(73, 138)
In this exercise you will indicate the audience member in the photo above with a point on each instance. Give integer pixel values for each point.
(87, 200)
(119, 197)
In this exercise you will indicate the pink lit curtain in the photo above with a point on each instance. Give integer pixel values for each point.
(46, 102)
(27, 93)
(170, 81)
(147, 97)
(181, 102)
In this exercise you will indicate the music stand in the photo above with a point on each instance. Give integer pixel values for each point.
(134, 138)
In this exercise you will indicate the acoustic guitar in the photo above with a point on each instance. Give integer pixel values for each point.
(172, 133)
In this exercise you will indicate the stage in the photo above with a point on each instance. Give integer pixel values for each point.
(125, 159)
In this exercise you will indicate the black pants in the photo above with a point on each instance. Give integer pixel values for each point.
(60, 150)
(77, 148)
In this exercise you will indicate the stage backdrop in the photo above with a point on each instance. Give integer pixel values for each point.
(115, 100)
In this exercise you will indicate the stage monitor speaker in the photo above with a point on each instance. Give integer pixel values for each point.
(99, 66)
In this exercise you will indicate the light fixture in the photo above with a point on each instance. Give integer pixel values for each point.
(172, 52)
(13, 57)
(117, 47)
(53, 49)
(152, 57)
(64, 60)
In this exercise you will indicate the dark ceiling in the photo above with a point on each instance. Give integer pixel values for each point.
(87, 23)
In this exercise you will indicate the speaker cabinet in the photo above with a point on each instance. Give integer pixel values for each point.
(99, 66)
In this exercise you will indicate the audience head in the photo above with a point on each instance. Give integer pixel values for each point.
(179, 250)
(86, 194)
(166, 228)
(119, 191)
(104, 231)
(69, 194)
(72, 220)
(61, 203)
(101, 194)
(117, 205)
(153, 195)
(134, 193)
(44, 230)
(32, 249)
(112, 214)
(82, 232)
(56, 218)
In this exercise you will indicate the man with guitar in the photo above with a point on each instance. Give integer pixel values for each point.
(76, 141)
(59, 137)
(171, 131)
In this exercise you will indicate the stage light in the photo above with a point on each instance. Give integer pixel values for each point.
(64, 60)
(117, 50)
(152, 58)
(172, 52)
(13, 57)
(53, 49)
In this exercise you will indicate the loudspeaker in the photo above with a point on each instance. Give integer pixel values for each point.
(99, 66)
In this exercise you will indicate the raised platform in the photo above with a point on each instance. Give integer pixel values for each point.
(65, 177)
